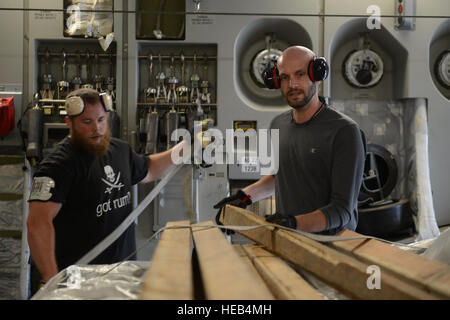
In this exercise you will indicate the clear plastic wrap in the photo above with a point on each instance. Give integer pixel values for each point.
(11, 215)
(10, 252)
(419, 172)
(9, 268)
(95, 24)
(120, 281)
(123, 281)
(9, 286)
(439, 249)
(11, 176)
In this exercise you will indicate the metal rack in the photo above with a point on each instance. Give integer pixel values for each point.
(177, 85)
(164, 57)
(62, 67)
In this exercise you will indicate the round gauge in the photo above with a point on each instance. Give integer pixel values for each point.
(363, 68)
(260, 63)
(443, 69)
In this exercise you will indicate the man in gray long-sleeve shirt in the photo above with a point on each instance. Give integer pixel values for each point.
(321, 157)
(320, 168)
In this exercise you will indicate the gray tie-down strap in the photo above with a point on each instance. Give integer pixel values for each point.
(113, 236)
(312, 236)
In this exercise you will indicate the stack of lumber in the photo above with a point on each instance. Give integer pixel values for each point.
(197, 262)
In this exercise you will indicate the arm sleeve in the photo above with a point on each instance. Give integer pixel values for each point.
(346, 176)
(139, 166)
(52, 182)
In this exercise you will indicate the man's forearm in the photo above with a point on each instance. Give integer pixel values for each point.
(261, 189)
(312, 222)
(41, 240)
(160, 163)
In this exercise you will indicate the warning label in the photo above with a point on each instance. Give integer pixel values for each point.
(202, 20)
(45, 15)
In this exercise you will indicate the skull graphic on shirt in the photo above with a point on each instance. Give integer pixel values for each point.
(110, 175)
(112, 179)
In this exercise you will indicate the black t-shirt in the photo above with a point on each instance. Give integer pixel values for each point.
(95, 193)
(321, 163)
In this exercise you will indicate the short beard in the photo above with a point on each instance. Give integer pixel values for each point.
(85, 146)
(302, 104)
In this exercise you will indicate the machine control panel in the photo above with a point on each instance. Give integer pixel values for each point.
(404, 14)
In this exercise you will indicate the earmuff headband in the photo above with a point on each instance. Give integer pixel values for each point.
(317, 71)
(75, 104)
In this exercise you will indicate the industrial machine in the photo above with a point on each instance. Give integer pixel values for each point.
(367, 73)
(379, 214)
(364, 67)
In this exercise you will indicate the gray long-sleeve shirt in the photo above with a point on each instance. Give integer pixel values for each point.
(321, 164)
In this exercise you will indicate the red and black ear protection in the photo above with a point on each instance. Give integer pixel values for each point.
(317, 71)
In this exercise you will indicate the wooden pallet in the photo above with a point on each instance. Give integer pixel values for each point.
(259, 271)
(225, 271)
(346, 265)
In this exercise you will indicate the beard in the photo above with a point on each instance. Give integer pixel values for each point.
(84, 145)
(308, 96)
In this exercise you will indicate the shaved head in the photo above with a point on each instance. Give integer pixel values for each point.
(296, 52)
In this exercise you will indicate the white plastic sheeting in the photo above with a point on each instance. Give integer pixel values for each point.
(439, 250)
(120, 281)
(425, 220)
(123, 281)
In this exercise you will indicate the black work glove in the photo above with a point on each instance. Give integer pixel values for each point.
(240, 199)
(283, 220)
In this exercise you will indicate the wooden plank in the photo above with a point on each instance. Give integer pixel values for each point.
(224, 274)
(339, 270)
(411, 267)
(283, 281)
(169, 276)
(440, 281)
(241, 253)
(244, 256)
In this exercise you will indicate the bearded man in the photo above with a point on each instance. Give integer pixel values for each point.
(82, 191)
(321, 155)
